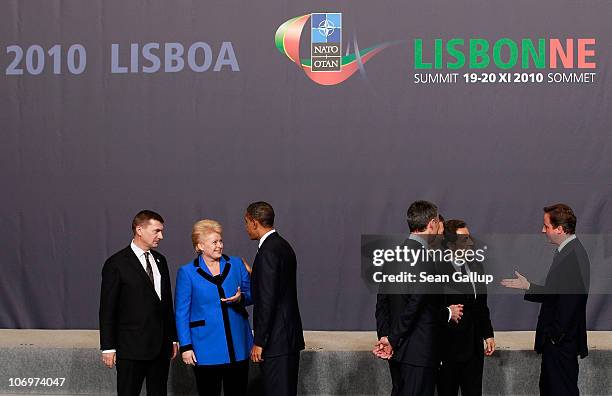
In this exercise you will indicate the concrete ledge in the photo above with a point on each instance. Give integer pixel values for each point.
(334, 363)
(315, 340)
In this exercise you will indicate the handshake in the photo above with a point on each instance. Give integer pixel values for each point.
(383, 348)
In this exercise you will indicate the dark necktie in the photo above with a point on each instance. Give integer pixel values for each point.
(463, 270)
(149, 268)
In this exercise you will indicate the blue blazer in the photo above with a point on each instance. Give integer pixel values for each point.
(217, 332)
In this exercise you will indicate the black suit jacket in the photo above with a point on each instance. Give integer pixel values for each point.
(133, 320)
(412, 321)
(562, 318)
(276, 317)
(460, 341)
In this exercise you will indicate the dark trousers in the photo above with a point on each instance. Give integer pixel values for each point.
(559, 370)
(409, 380)
(132, 373)
(465, 375)
(234, 378)
(280, 374)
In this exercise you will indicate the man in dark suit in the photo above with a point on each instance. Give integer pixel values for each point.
(463, 343)
(137, 328)
(408, 323)
(277, 325)
(561, 330)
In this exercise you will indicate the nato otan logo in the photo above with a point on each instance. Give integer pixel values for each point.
(326, 42)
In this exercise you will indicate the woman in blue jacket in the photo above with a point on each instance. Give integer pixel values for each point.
(212, 323)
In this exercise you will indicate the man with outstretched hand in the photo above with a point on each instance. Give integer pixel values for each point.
(561, 330)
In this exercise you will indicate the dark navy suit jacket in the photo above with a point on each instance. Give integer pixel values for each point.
(276, 316)
(133, 319)
(562, 318)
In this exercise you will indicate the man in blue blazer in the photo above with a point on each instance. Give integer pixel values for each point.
(276, 317)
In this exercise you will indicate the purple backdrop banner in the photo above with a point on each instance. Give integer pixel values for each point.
(339, 118)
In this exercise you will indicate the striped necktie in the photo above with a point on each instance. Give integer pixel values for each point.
(149, 268)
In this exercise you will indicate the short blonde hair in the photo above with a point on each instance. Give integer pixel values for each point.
(202, 228)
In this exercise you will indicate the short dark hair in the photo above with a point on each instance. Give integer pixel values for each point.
(143, 217)
(440, 217)
(450, 229)
(262, 212)
(562, 215)
(419, 214)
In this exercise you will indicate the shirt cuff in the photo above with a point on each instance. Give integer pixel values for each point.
(450, 314)
(109, 351)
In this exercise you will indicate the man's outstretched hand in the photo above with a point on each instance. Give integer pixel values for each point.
(520, 282)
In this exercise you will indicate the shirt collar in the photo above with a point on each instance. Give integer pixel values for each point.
(420, 240)
(263, 238)
(566, 241)
(458, 266)
(137, 251)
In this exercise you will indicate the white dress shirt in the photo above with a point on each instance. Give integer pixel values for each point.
(156, 275)
(566, 241)
(263, 238)
(141, 257)
(467, 270)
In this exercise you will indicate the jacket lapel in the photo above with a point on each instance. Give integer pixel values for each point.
(270, 237)
(559, 257)
(204, 272)
(161, 276)
(135, 263)
(263, 246)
